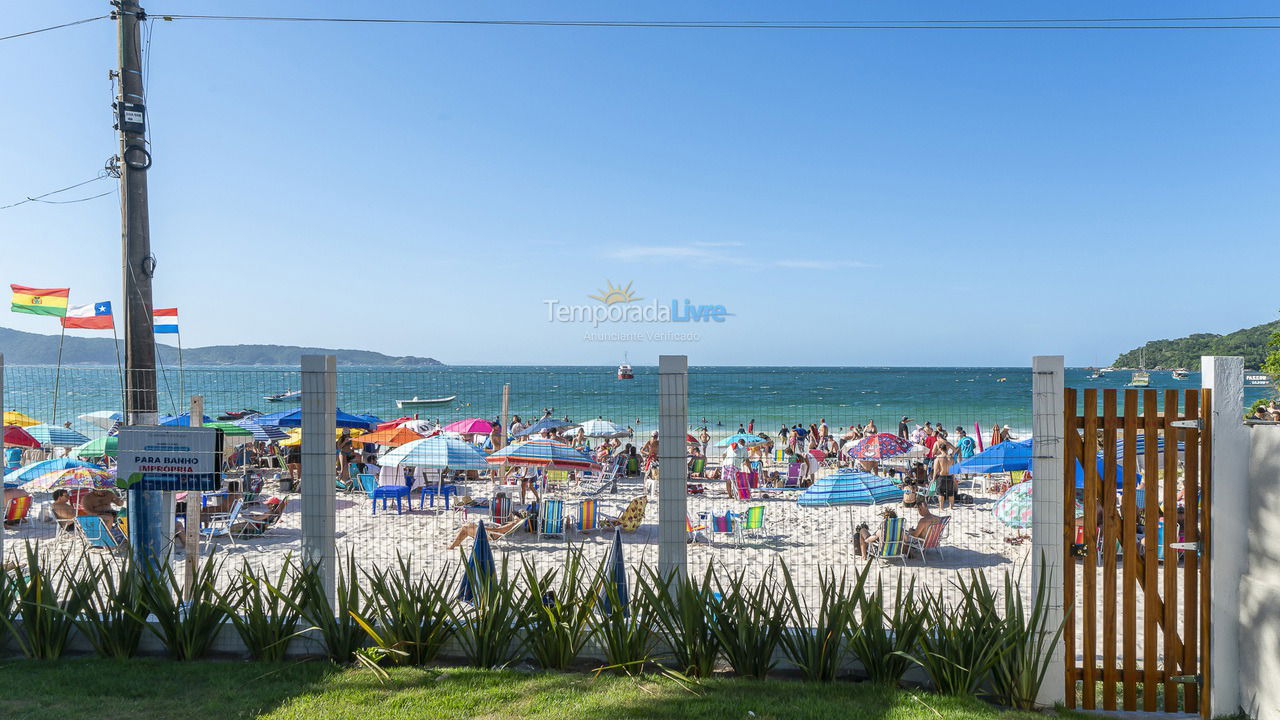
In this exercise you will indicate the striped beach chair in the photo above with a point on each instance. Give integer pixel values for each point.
(17, 511)
(750, 523)
(722, 525)
(742, 482)
(693, 530)
(588, 515)
(892, 544)
(551, 519)
(932, 539)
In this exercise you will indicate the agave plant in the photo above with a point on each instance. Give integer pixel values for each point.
(48, 594)
(884, 637)
(1028, 642)
(560, 610)
(626, 630)
(748, 622)
(963, 642)
(264, 609)
(412, 613)
(335, 621)
(115, 617)
(682, 609)
(814, 639)
(490, 628)
(187, 629)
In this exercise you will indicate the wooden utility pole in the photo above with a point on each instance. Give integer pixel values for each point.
(138, 266)
(191, 530)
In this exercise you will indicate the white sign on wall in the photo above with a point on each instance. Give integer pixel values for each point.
(170, 458)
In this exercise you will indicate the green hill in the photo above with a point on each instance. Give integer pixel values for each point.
(1249, 343)
(24, 348)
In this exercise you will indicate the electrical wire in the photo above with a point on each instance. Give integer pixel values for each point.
(53, 27)
(40, 198)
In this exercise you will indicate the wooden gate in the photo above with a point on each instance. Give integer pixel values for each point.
(1136, 568)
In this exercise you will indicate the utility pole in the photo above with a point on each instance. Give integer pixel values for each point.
(149, 539)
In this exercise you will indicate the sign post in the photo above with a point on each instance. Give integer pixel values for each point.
(170, 459)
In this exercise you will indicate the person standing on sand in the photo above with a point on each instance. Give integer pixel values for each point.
(964, 444)
(903, 433)
(704, 439)
(751, 426)
(942, 476)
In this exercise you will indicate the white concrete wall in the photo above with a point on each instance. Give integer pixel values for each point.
(1259, 592)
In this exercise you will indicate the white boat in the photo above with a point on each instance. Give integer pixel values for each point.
(285, 396)
(624, 372)
(1140, 378)
(1180, 374)
(417, 402)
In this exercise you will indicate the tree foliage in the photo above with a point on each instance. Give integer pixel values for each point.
(1250, 343)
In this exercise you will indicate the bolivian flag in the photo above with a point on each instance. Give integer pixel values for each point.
(36, 301)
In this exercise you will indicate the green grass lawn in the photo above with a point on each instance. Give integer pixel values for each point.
(141, 689)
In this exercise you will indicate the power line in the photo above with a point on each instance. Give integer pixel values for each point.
(54, 27)
(40, 198)
(991, 24)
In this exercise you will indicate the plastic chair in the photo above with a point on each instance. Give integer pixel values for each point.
(430, 491)
(383, 492)
(98, 534)
(219, 525)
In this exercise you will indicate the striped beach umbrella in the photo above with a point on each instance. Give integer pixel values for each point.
(437, 452)
(850, 487)
(878, 447)
(262, 433)
(544, 453)
(615, 579)
(57, 436)
(27, 473)
(70, 478)
(1014, 506)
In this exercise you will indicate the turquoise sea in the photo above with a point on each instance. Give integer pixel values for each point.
(722, 397)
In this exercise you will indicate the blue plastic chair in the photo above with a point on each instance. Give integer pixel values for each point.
(429, 490)
(97, 534)
(383, 492)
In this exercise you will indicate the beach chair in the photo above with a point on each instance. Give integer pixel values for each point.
(249, 526)
(698, 466)
(693, 530)
(499, 508)
(551, 519)
(633, 465)
(721, 525)
(793, 475)
(892, 543)
(353, 472)
(779, 455)
(631, 517)
(595, 483)
(97, 534)
(17, 511)
(742, 483)
(429, 490)
(932, 539)
(588, 515)
(383, 492)
(220, 524)
(750, 523)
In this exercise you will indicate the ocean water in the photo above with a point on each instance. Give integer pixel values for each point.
(719, 397)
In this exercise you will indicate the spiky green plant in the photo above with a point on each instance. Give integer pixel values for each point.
(963, 641)
(884, 636)
(561, 605)
(188, 629)
(335, 621)
(263, 607)
(491, 628)
(49, 594)
(114, 618)
(625, 631)
(412, 612)
(814, 638)
(748, 622)
(1028, 641)
(683, 611)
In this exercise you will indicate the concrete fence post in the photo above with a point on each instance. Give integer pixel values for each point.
(319, 422)
(673, 425)
(1047, 384)
(1228, 538)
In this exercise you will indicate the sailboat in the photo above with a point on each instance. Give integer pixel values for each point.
(1140, 377)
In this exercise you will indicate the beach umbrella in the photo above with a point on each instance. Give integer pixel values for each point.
(437, 452)
(71, 478)
(1005, 457)
(15, 436)
(391, 437)
(1014, 506)
(600, 428)
(105, 419)
(850, 487)
(108, 445)
(546, 424)
(544, 453)
(294, 436)
(877, 447)
(480, 566)
(13, 417)
(30, 472)
(56, 436)
(293, 419)
(470, 426)
(183, 420)
(616, 578)
(393, 423)
(262, 433)
(1140, 447)
(741, 439)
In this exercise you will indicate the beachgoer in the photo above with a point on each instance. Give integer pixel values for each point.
(869, 428)
(903, 433)
(863, 537)
(823, 430)
(939, 430)
(751, 426)
(346, 453)
(927, 518)
(1006, 434)
(101, 503)
(63, 511)
(493, 531)
(964, 444)
(946, 482)
(293, 461)
(704, 439)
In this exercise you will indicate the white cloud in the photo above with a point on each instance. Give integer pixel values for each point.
(821, 264)
(717, 254)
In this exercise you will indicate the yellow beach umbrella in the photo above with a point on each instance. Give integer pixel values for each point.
(14, 417)
(295, 436)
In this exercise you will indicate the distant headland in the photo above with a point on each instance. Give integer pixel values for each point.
(1249, 343)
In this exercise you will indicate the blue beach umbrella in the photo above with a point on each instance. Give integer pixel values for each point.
(547, 424)
(57, 436)
(262, 433)
(437, 452)
(293, 418)
(850, 487)
(480, 565)
(1005, 457)
(741, 439)
(616, 578)
(183, 420)
(1140, 447)
(30, 472)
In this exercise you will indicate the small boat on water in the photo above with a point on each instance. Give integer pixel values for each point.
(1140, 377)
(625, 373)
(1180, 374)
(417, 402)
(285, 396)
(237, 414)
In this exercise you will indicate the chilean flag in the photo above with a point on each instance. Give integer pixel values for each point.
(165, 321)
(89, 317)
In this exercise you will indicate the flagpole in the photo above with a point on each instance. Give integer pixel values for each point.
(119, 366)
(57, 374)
(182, 370)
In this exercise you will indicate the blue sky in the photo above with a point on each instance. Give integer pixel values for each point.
(853, 198)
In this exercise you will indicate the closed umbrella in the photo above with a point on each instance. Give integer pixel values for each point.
(480, 566)
(437, 452)
(57, 436)
(850, 487)
(615, 579)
